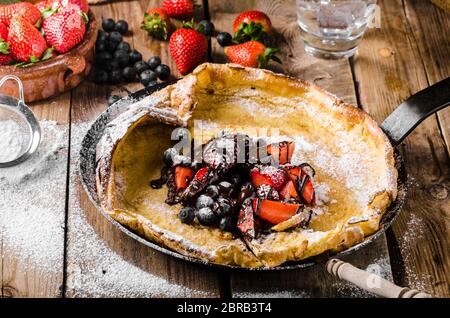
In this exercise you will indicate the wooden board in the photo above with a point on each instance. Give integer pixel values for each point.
(21, 277)
(336, 77)
(200, 281)
(393, 57)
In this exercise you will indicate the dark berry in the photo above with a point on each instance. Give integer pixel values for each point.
(208, 27)
(110, 46)
(112, 99)
(163, 71)
(224, 39)
(235, 179)
(147, 76)
(115, 37)
(101, 76)
(103, 57)
(222, 207)
(135, 56)
(108, 25)
(101, 35)
(111, 65)
(151, 84)
(100, 46)
(204, 201)
(129, 73)
(168, 156)
(212, 191)
(186, 215)
(227, 224)
(115, 77)
(121, 26)
(122, 57)
(206, 216)
(226, 189)
(141, 66)
(154, 61)
(124, 46)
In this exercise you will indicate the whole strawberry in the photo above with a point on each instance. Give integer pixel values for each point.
(26, 43)
(252, 25)
(42, 5)
(252, 16)
(3, 32)
(64, 29)
(82, 4)
(156, 23)
(179, 9)
(251, 54)
(25, 9)
(188, 48)
(5, 56)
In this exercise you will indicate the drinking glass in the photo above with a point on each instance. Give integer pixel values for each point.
(332, 28)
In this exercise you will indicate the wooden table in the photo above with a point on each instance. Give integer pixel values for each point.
(408, 53)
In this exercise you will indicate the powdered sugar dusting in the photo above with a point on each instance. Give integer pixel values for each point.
(11, 140)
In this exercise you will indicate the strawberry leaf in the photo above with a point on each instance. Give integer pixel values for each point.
(34, 59)
(250, 32)
(154, 25)
(84, 16)
(48, 54)
(189, 24)
(269, 54)
(4, 47)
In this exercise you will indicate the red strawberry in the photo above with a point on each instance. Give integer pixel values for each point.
(26, 10)
(268, 175)
(282, 152)
(188, 49)
(5, 59)
(156, 23)
(289, 190)
(42, 5)
(303, 183)
(252, 16)
(25, 41)
(3, 32)
(82, 4)
(183, 175)
(64, 30)
(274, 211)
(246, 221)
(179, 9)
(251, 54)
(5, 56)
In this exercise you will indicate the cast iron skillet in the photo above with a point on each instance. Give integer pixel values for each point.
(397, 126)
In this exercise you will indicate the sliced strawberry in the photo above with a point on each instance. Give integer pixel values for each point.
(307, 190)
(246, 221)
(282, 151)
(274, 211)
(183, 175)
(200, 175)
(289, 190)
(294, 172)
(268, 175)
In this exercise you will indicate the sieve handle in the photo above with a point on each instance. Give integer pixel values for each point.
(19, 83)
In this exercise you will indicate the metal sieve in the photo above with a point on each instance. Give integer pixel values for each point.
(14, 112)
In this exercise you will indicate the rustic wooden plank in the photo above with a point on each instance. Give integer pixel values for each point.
(336, 77)
(434, 47)
(420, 241)
(23, 277)
(119, 254)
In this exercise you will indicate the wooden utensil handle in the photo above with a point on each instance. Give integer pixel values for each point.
(371, 282)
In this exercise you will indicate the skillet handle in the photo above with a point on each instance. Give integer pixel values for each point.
(371, 282)
(415, 109)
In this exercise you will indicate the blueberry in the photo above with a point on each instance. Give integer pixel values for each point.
(111, 65)
(121, 26)
(129, 73)
(222, 207)
(110, 46)
(108, 25)
(224, 39)
(147, 76)
(124, 46)
(101, 35)
(186, 215)
(151, 84)
(115, 77)
(206, 216)
(212, 191)
(112, 99)
(141, 66)
(154, 61)
(208, 27)
(168, 156)
(204, 201)
(226, 189)
(163, 71)
(101, 76)
(103, 57)
(115, 37)
(135, 56)
(122, 57)
(227, 224)
(100, 46)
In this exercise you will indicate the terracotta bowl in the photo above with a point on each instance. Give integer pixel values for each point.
(57, 75)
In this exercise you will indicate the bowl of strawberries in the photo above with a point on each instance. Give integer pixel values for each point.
(49, 45)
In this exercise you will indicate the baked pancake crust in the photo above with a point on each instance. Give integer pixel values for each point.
(355, 175)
